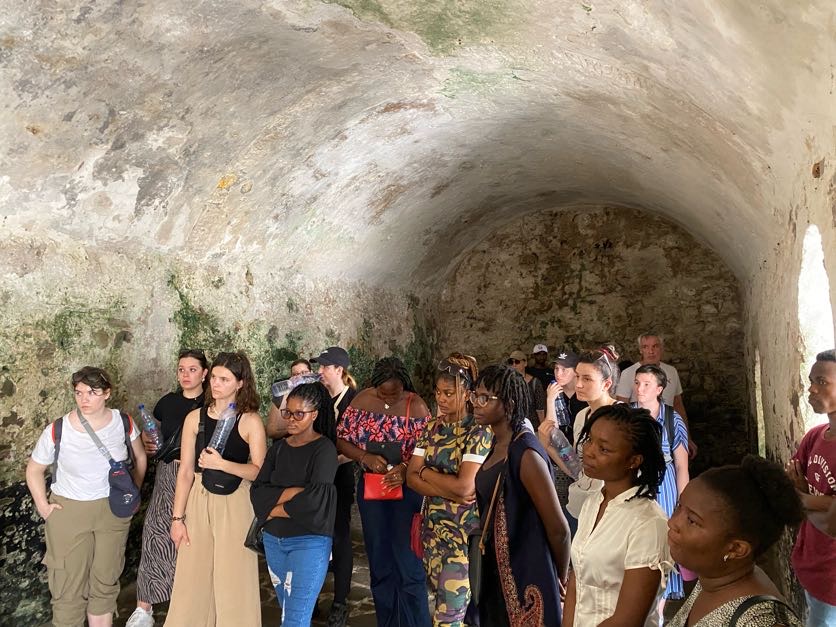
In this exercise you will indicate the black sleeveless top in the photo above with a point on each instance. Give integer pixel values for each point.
(237, 450)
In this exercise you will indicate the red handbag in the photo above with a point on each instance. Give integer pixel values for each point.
(416, 543)
(374, 490)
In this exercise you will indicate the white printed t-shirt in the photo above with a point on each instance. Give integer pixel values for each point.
(626, 387)
(82, 469)
(631, 534)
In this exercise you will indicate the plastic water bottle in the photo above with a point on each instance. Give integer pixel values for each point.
(280, 388)
(150, 426)
(223, 429)
(560, 411)
(567, 453)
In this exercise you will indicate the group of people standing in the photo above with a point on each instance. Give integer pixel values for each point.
(470, 515)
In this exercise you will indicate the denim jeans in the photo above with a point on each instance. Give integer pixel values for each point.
(297, 569)
(398, 581)
(820, 614)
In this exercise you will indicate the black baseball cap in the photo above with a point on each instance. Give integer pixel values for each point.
(332, 356)
(566, 358)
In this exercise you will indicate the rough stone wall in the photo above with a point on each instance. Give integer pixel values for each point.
(67, 305)
(771, 315)
(581, 277)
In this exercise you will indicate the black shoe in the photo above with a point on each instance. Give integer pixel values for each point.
(338, 616)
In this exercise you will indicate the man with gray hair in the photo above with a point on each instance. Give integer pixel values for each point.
(651, 346)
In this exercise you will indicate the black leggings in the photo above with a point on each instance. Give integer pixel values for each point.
(342, 562)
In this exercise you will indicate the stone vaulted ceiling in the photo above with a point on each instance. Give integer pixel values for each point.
(382, 138)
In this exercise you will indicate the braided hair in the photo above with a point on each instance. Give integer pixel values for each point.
(512, 390)
(391, 368)
(449, 370)
(317, 395)
(760, 498)
(645, 436)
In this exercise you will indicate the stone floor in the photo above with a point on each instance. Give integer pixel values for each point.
(360, 599)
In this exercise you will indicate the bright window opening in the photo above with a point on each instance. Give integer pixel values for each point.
(815, 315)
(759, 406)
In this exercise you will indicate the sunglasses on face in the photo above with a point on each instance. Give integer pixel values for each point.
(515, 362)
(481, 400)
(296, 415)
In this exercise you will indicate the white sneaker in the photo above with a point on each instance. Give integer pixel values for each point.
(140, 618)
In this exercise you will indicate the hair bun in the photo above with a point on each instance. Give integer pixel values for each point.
(776, 487)
(610, 352)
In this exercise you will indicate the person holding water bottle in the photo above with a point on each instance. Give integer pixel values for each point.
(159, 556)
(216, 580)
(300, 372)
(562, 406)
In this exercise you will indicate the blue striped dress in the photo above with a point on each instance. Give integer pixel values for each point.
(668, 496)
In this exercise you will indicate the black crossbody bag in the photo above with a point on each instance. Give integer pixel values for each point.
(216, 481)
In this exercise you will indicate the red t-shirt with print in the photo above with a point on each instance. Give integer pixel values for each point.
(814, 555)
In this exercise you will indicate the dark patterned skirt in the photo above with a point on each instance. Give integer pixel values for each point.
(156, 564)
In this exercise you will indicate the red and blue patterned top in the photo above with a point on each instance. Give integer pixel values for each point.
(360, 426)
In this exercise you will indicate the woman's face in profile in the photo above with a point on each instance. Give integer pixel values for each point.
(697, 532)
(589, 384)
(487, 409)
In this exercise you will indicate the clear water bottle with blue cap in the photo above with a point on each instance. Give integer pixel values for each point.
(224, 427)
(150, 426)
(561, 412)
(567, 453)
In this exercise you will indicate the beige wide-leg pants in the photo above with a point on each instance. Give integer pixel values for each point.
(216, 578)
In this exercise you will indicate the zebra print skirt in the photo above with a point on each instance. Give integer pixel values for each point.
(156, 564)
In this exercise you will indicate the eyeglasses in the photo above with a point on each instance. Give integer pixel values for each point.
(454, 369)
(515, 362)
(481, 400)
(296, 415)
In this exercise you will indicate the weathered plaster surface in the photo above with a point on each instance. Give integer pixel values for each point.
(75, 304)
(277, 175)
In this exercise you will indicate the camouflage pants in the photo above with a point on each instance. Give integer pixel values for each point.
(445, 560)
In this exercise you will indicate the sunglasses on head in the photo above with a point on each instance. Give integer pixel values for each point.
(457, 371)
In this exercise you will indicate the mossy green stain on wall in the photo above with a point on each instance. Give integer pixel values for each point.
(198, 328)
(443, 25)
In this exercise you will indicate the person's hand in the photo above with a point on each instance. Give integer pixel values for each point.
(47, 509)
(210, 459)
(150, 447)
(467, 499)
(553, 391)
(796, 475)
(544, 431)
(179, 534)
(395, 477)
(692, 448)
(375, 463)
